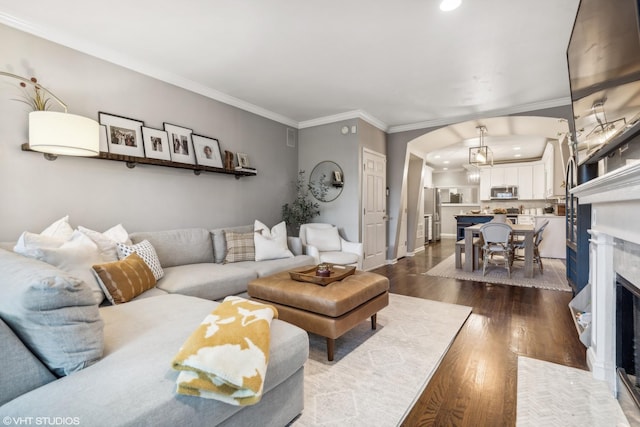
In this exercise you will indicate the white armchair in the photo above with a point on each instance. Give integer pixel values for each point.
(324, 243)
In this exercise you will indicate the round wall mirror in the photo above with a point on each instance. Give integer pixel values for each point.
(326, 181)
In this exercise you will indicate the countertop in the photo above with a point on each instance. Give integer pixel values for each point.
(492, 214)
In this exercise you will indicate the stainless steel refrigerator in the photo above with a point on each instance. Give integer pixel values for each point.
(432, 207)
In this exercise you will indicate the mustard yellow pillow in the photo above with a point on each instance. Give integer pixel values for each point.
(124, 280)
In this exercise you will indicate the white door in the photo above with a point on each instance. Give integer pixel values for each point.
(374, 229)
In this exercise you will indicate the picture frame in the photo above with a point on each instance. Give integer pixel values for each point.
(243, 160)
(124, 135)
(180, 144)
(207, 151)
(156, 143)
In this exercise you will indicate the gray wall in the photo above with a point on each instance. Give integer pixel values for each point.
(97, 193)
(326, 142)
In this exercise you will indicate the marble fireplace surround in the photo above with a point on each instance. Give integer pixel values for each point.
(614, 249)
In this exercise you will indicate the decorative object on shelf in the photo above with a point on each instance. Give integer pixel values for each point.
(326, 181)
(124, 135)
(56, 133)
(243, 164)
(180, 144)
(228, 160)
(337, 179)
(156, 143)
(302, 209)
(243, 160)
(482, 154)
(207, 151)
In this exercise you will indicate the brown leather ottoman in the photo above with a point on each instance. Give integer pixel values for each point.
(328, 311)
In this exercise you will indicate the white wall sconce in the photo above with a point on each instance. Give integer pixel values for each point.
(60, 133)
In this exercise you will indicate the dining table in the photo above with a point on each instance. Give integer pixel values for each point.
(526, 230)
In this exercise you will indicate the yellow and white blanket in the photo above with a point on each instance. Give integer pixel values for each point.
(226, 357)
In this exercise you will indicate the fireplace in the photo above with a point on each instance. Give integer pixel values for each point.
(628, 347)
(614, 275)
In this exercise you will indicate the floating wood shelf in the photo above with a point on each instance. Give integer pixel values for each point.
(132, 161)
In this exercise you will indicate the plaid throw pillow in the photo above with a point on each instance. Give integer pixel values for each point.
(240, 247)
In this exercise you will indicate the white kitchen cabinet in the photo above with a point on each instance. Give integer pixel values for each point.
(539, 181)
(511, 175)
(497, 176)
(485, 183)
(530, 178)
(503, 176)
(525, 182)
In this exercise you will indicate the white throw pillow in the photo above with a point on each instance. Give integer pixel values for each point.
(271, 243)
(107, 241)
(60, 228)
(51, 237)
(324, 239)
(77, 257)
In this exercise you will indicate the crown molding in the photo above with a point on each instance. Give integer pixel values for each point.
(348, 115)
(111, 56)
(524, 108)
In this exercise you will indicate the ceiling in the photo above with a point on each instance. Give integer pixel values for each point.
(510, 139)
(399, 65)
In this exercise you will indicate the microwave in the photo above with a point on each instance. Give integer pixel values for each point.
(504, 193)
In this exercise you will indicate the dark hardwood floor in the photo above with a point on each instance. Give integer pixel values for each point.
(476, 383)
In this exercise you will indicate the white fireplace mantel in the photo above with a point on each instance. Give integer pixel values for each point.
(615, 236)
(615, 202)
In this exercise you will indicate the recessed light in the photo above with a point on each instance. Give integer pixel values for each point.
(437, 156)
(448, 5)
(446, 162)
(445, 169)
(517, 155)
(516, 148)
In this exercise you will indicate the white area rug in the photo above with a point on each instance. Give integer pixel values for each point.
(554, 276)
(377, 375)
(553, 395)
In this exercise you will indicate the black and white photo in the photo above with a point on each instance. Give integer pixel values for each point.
(207, 151)
(124, 135)
(156, 143)
(180, 144)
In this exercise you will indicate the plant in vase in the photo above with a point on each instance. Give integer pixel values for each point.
(37, 100)
(500, 215)
(302, 209)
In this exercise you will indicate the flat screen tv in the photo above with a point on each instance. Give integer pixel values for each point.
(603, 57)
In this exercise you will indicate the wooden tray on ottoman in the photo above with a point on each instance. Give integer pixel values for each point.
(337, 272)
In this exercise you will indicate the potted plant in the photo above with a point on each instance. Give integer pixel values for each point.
(499, 215)
(302, 209)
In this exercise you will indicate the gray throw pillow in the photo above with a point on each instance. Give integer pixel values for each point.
(53, 313)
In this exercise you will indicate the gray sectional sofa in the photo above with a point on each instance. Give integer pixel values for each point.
(50, 324)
